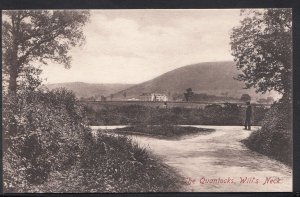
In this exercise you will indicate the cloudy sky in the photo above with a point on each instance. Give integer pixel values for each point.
(132, 46)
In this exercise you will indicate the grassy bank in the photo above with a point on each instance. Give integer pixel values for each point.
(162, 131)
(274, 139)
(48, 147)
(114, 164)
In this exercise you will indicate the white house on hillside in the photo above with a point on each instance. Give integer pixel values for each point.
(153, 97)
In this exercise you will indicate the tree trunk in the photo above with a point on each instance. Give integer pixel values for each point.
(13, 75)
(13, 57)
(13, 69)
(286, 78)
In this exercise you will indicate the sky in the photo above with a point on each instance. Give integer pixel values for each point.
(133, 46)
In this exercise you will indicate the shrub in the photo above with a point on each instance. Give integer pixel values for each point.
(42, 133)
(49, 148)
(226, 115)
(274, 139)
(112, 163)
(229, 114)
(122, 165)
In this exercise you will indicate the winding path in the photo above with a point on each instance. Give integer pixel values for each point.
(209, 160)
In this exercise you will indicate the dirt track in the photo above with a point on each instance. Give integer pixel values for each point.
(217, 162)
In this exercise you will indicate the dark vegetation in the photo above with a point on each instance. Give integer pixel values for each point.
(267, 65)
(229, 114)
(114, 164)
(274, 139)
(211, 98)
(38, 36)
(245, 98)
(189, 95)
(48, 147)
(162, 131)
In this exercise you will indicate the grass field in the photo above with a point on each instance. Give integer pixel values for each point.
(162, 131)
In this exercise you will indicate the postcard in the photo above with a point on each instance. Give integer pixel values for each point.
(147, 100)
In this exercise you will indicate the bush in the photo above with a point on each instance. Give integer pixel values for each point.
(113, 164)
(229, 114)
(42, 133)
(226, 115)
(122, 166)
(274, 139)
(49, 148)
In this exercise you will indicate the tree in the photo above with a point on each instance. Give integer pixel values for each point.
(124, 94)
(262, 48)
(245, 97)
(111, 97)
(189, 93)
(35, 36)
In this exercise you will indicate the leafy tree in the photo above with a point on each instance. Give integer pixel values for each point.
(124, 94)
(262, 48)
(245, 97)
(35, 36)
(189, 93)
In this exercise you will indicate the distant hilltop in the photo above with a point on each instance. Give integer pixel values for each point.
(88, 90)
(211, 78)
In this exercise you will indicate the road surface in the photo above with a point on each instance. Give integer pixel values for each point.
(219, 162)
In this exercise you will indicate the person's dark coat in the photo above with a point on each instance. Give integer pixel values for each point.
(248, 117)
(249, 112)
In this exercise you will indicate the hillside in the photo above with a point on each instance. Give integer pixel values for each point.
(87, 90)
(214, 78)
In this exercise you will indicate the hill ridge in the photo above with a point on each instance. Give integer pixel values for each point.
(213, 78)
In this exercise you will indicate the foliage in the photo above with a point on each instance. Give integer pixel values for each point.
(228, 114)
(212, 98)
(188, 94)
(122, 165)
(275, 137)
(262, 48)
(245, 97)
(51, 149)
(31, 36)
(42, 132)
(168, 131)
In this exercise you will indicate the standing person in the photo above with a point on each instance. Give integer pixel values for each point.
(248, 116)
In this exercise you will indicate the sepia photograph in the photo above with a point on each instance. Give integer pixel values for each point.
(147, 100)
